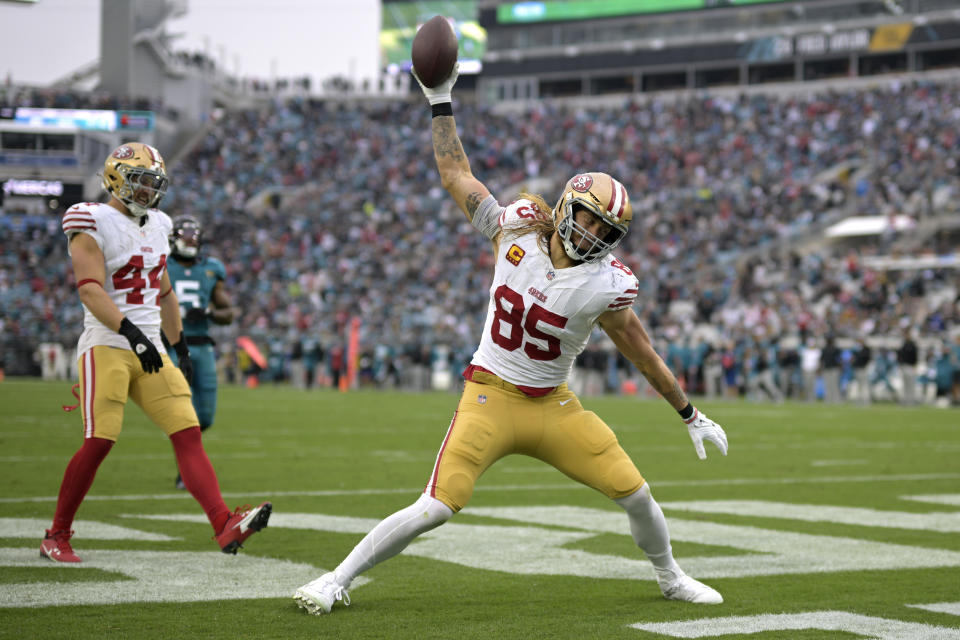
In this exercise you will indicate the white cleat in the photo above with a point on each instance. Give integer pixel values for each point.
(318, 596)
(676, 585)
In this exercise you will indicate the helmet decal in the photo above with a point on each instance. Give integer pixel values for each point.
(123, 152)
(581, 183)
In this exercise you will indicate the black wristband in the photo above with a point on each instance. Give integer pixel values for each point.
(442, 109)
(687, 412)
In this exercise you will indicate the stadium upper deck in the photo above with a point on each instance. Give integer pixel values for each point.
(538, 49)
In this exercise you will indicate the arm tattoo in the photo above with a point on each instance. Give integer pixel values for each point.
(446, 144)
(676, 396)
(473, 202)
(660, 379)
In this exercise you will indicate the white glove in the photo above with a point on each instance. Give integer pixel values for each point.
(440, 93)
(703, 428)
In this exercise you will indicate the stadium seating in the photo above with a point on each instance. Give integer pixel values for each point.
(323, 211)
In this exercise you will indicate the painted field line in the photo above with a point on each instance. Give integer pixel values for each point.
(952, 499)
(120, 456)
(837, 463)
(944, 521)
(33, 528)
(952, 608)
(512, 487)
(858, 625)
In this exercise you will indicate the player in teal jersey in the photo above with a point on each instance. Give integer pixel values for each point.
(198, 282)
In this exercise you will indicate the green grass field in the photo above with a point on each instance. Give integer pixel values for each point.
(823, 522)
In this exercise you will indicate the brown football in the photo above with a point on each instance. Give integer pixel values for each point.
(434, 51)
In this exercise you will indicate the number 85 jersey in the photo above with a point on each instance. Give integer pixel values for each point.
(135, 258)
(540, 318)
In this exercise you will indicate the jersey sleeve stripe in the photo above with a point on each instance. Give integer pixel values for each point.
(625, 299)
(621, 305)
(632, 291)
(69, 219)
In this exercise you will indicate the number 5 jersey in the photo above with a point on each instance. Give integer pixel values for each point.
(135, 258)
(540, 318)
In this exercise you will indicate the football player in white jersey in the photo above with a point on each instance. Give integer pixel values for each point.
(554, 279)
(119, 253)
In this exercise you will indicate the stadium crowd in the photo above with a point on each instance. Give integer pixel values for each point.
(325, 211)
(59, 98)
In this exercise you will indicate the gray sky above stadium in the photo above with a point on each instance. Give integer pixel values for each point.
(48, 39)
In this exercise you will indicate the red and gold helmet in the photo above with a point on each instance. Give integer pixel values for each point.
(136, 176)
(604, 197)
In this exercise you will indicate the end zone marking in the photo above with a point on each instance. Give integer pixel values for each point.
(952, 608)
(34, 528)
(565, 486)
(863, 626)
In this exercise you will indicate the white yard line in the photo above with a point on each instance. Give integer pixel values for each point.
(952, 499)
(132, 456)
(952, 608)
(837, 463)
(513, 487)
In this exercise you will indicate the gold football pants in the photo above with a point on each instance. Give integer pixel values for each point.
(108, 376)
(495, 419)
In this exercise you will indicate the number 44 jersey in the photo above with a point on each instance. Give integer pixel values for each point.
(135, 258)
(539, 317)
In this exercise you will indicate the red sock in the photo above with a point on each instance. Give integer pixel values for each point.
(198, 475)
(77, 479)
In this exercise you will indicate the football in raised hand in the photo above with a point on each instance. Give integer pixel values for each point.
(434, 51)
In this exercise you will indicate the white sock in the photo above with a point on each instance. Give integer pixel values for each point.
(649, 528)
(392, 536)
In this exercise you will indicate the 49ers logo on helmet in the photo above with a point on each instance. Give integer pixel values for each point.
(581, 183)
(124, 152)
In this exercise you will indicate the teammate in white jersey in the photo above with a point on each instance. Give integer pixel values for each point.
(119, 253)
(555, 278)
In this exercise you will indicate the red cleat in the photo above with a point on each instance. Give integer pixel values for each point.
(56, 546)
(241, 525)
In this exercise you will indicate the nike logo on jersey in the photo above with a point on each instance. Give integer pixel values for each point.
(563, 402)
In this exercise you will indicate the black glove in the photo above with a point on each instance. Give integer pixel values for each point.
(195, 315)
(183, 358)
(142, 347)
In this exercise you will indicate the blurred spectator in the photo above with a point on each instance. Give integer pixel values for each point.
(321, 214)
(861, 364)
(907, 358)
(810, 365)
(830, 368)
